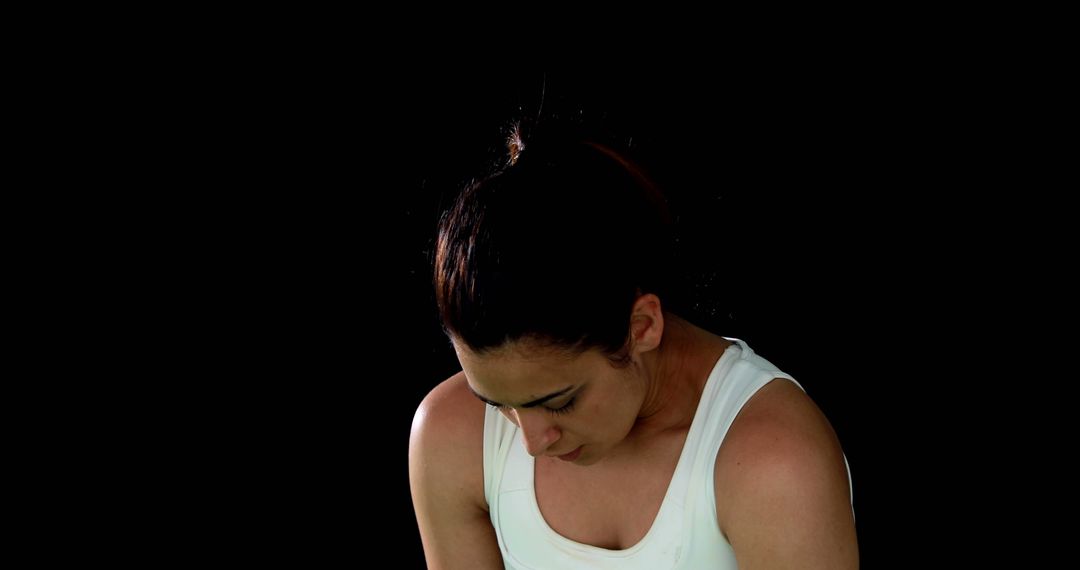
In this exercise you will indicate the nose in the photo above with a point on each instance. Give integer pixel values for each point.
(538, 431)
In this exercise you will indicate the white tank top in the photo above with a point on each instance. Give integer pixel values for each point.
(685, 533)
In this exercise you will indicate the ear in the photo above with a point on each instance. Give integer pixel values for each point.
(646, 323)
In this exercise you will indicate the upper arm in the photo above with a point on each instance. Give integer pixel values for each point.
(781, 485)
(447, 480)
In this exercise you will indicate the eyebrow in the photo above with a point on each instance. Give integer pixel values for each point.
(531, 404)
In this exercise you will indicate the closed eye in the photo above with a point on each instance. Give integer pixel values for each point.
(564, 409)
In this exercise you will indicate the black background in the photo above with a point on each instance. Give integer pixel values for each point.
(802, 208)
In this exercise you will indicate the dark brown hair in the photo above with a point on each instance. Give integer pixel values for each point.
(552, 249)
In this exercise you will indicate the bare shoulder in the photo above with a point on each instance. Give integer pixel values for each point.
(782, 495)
(446, 477)
(448, 434)
(450, 407)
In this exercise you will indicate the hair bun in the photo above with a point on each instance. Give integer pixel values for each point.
(515, 144)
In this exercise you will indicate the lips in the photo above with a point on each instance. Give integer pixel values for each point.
(572, 455)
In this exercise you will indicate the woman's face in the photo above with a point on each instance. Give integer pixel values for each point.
(561, 403)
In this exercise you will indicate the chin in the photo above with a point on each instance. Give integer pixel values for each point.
(586, 458)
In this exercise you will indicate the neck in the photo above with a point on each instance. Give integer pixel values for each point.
(675, 374)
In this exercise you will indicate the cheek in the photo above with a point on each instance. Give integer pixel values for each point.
(622, 408)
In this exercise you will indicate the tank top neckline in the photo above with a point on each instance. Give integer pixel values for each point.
(678, 477)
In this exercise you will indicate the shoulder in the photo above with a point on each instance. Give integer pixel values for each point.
(448, 430)
(447, 438)
(782, 493)
(450, 409)
(446, 476)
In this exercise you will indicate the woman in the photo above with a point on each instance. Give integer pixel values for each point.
(590, 427)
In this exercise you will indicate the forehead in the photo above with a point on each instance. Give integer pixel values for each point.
(515, 373)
